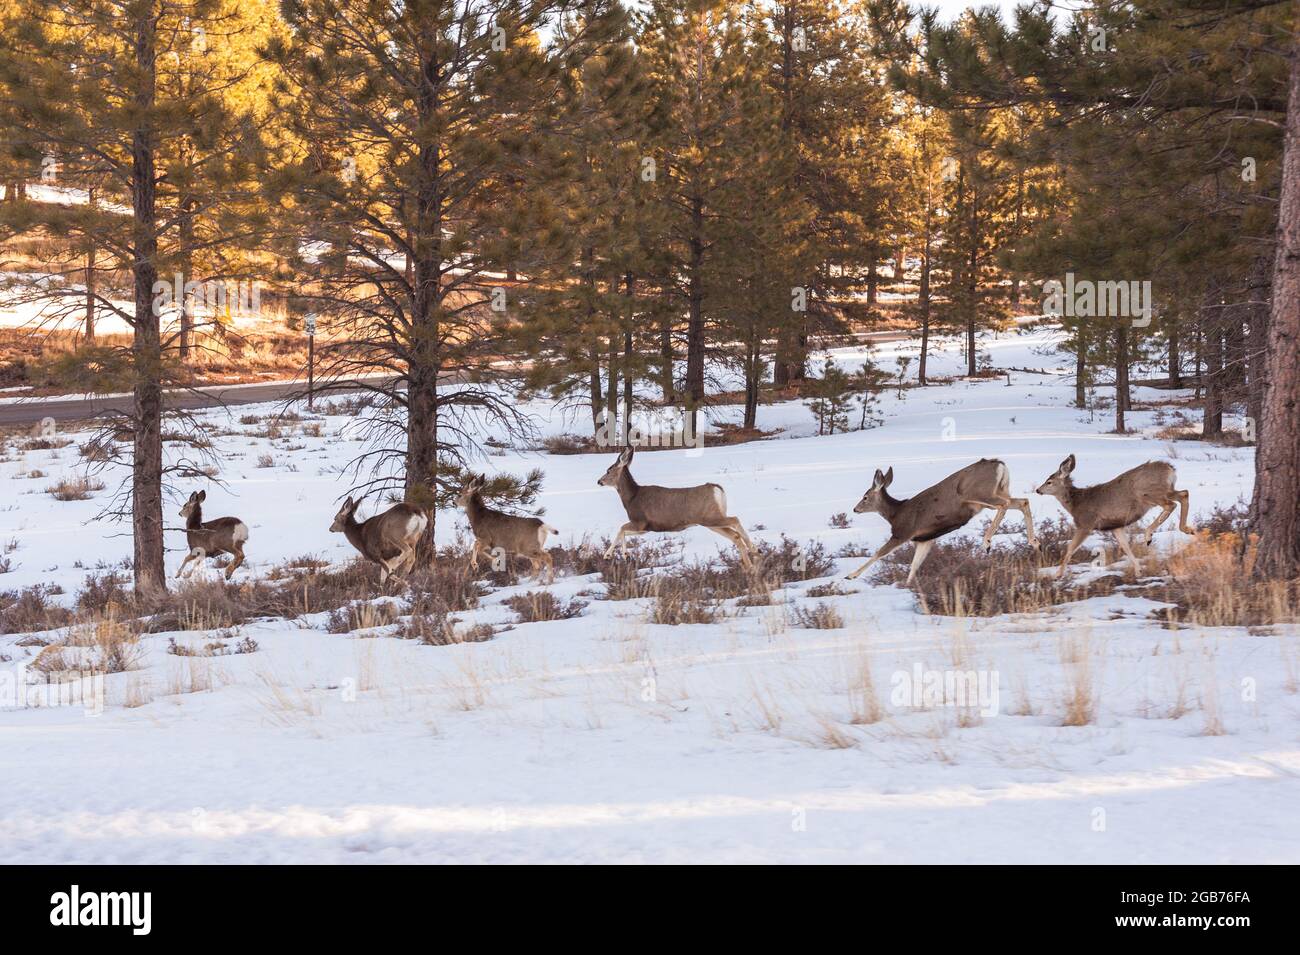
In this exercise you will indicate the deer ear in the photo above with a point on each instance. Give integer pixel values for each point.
(889, 477)
(878, 480)
(626, 456)
(1067, 465)
(201, 496)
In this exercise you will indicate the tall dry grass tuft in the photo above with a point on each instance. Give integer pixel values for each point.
(1082, 694)
(1211, 583)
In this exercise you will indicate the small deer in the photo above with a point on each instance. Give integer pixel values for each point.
(388, 539)
(669, 509)
(942, 509)
(1117, 504)
(505, 533)
(225, 535)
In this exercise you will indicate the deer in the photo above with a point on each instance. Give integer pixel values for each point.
(387, 539)
(1117, 504)
(671, 509)
(941, 509)
(225, 535)
(498, 531)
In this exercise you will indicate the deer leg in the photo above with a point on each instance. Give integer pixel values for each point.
(1021, 504)
(1164, 516)
(239, 559)
(188, 557)
(993, 526)
(1121, 535)
(918, 558)
(631, 528)
(473, 555)
(1078, 538)
(1184, 502)
(729, 532)
(740, 531)
(886, 548)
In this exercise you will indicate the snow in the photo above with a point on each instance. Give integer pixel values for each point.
(606, 738)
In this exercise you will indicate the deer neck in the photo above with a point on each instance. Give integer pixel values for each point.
(1069, 496)
(627, 487)
(474, 510)
(195, 520)
(890, 506)
(352, 531)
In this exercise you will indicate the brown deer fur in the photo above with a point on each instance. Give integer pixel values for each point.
(1117, 504)
(388, 539)
(496, 531)
(941, 509)
(668, 509)
(225, 535)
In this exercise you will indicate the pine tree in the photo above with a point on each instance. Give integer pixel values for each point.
(423, 184)
(90, 89)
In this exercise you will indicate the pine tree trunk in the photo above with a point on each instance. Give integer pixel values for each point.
(146, 349)
(924, 299)
(1121, 375)
(695, 316)
(90, 276)
(1276, 501)
(1175, 360)
(1080, 368)
(1257, 339)
(423, 349)
(872, 281)
(1212, 406)
(666, 386)
(629, 356)
(185, 228)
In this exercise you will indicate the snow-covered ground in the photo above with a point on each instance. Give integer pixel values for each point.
(609, 738)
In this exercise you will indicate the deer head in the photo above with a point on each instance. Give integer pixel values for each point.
(470, 488)
(197, 498)
(610, 478)
(344, 515)
(1058, 484)
(871, 501)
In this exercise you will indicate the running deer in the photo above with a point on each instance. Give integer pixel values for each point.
(505, 533)
(1117, 504)
(669, 509)
(941, 509)
(388, 539)
(225, 535)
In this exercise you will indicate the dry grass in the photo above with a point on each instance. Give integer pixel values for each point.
(1081, 697)
(960, 580)
(820, 616)
(1210, 582)
(31, 610)
(75, 489)
(541, 605)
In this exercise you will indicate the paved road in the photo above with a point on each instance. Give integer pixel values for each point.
(74, 409)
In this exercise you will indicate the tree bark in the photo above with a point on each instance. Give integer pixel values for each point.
(146, 349)
(924, 300)
(695, 316)
(424, 347)
(1121, 375)
(1276, 501)
(90, 276)
(1212, 404)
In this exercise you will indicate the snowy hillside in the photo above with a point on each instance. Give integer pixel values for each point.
(607, 737)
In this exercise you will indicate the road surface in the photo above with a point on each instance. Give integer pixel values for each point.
(35, 410)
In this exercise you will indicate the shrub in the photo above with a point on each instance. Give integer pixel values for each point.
(821, 616)
(75, 489)
(30, 610)
(542, 605)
